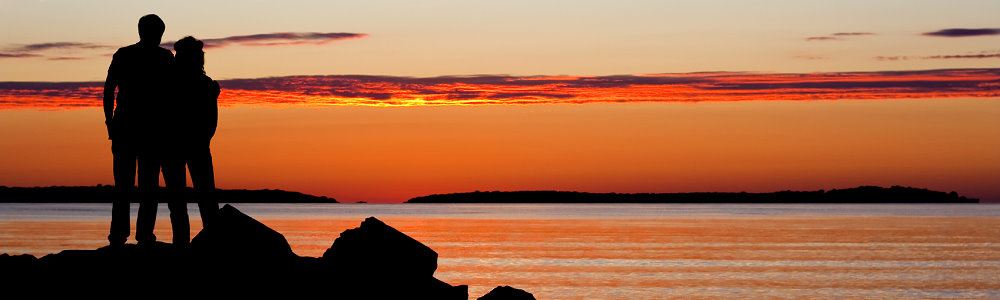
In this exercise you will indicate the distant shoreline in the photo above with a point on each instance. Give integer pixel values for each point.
(862, 194)
(105, 194)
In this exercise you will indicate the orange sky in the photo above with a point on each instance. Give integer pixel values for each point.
(390, 154)
(367, 101)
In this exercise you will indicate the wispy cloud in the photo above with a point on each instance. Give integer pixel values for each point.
(276, 39)
(18, 55)
(57, 46)
(59, 50)
(964, 32)
(42, 49)
(963, 56)
(823, 38)
(853, 33)
(837, 36)
(368, 90)
(66, 58)
(892, 58)
(980, 55)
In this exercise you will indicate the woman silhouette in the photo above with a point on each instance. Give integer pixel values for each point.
(194, 119)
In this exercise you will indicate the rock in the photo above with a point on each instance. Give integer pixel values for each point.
(387, 264)
(241, 258)
(507, 293)
(380, 251)
(239, 238)
(17, 261)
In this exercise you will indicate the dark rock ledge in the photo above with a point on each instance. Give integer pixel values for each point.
(243, 258)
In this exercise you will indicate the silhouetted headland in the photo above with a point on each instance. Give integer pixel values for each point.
(243, 257)
(104, 194)
(863, 194)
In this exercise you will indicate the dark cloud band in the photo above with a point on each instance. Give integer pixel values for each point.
(276, 39)
(964, 32)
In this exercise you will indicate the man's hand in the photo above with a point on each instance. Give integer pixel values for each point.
(110, 84)
(108, 124)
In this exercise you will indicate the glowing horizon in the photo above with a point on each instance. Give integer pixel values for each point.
(391, 154)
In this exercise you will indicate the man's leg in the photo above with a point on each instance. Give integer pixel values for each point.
(203, 179)
(149, 181)
(124, 172)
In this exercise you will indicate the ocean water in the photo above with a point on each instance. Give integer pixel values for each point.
(630, 251)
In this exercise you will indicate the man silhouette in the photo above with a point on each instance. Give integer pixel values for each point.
(140, 72)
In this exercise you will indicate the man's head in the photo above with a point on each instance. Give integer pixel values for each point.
(151, 29)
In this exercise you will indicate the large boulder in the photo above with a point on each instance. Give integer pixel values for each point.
(237, 237)
(507, 293)
(376, 249)
(379, 262)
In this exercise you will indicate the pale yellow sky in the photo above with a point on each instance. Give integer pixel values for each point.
(431, 38)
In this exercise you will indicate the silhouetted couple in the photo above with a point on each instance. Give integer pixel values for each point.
(165, 117)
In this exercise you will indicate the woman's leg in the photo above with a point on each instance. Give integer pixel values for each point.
(179, 222)
(175, 179)
(203, 179)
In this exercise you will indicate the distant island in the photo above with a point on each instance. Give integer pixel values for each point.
(862, 194)
(104, 194)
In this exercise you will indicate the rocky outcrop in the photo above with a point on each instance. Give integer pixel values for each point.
(378, 250)
(391, 264)
(507, 293)
(240, 238)
(241, 257)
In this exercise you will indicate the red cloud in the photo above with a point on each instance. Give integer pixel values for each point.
(511, 90)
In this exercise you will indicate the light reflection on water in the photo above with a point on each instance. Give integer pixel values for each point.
(629, 251)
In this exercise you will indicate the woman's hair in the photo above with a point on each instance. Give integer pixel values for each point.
(190, 56)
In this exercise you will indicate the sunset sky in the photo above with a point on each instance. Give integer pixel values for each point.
(381, 101)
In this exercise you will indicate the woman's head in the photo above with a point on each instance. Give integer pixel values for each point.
(190, 56)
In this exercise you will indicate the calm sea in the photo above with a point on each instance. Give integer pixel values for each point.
(631, 251)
